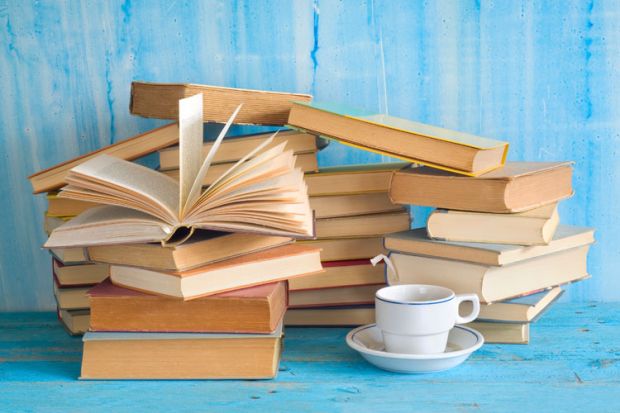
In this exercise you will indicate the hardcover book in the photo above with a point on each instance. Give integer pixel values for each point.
(262, 193)
(517, 187)
(263, 267)
(236, 147)
(400, 138)
(534, 227)
(54, 177)
(260, 107)
(114, 356)
(417, 242)
(251, 310)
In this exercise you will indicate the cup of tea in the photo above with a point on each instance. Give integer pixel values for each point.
(416, 318)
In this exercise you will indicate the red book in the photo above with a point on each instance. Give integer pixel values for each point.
(251, 310)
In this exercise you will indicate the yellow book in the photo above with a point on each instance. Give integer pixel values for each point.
(416, 142)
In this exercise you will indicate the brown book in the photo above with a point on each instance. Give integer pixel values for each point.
(350, 205)
(400, 138)
(417, 242)
(352, 179)
(251, 310)
(340, 249)
(264, 267)
(204, 248)
(330, 316)
(517, 187)
(53, 178)
(110, 355)
(74, 321)
(306, 162)
(363, 225)
(262, 193)
(340, 274)
(491, 283)
(160, 100)
(80, 274)
(333, 297)
(236, 147)
(63, 207)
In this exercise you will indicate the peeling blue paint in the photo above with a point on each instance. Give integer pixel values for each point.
(543, 75)
(315, 44)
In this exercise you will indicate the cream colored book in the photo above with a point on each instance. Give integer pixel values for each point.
(338, 249)
(262, 193)
(338, 296)
(81, 274)
(307, 162)
(235, 147)
(275, 264)
(362, 225)
(534, 227)
(522, 309)
(502, 333)
(416, 242)
(353, 204)
(330, 316)
(489, 282)
(352, 179)
(340, 274)
(70, 255)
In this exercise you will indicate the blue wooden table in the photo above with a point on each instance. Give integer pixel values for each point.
(573, 364)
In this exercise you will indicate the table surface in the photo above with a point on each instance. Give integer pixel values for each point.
(572, 364)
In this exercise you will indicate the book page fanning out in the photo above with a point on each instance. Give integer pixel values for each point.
(262, 193)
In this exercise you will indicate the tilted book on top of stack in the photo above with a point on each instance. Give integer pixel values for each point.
(260, 107)
(440, 148)
(262, 193)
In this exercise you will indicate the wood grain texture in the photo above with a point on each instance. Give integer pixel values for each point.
(571, 365)
(542, 75)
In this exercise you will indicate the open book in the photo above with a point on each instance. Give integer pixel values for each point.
(261, 193)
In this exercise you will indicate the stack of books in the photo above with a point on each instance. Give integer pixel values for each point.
(498, 235)
(72, 271)
(496, 232)
(353, 212)
(194, 274)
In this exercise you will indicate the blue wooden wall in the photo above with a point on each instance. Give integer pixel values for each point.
(543, 75)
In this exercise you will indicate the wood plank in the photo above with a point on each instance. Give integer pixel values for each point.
(572, 364)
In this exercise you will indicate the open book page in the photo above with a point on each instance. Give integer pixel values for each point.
(106, 225)
(196, 187)
(238, 167)
(278, 205)
(109, 175)
(264, 166)
(112, 197)
(190, 146)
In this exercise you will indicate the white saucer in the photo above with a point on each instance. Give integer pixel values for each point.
(368, 341)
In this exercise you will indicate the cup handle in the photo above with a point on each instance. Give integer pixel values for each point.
(475, 311)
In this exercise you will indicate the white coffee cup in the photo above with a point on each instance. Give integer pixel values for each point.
(416, 318)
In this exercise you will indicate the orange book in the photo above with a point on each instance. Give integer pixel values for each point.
(250, 310)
